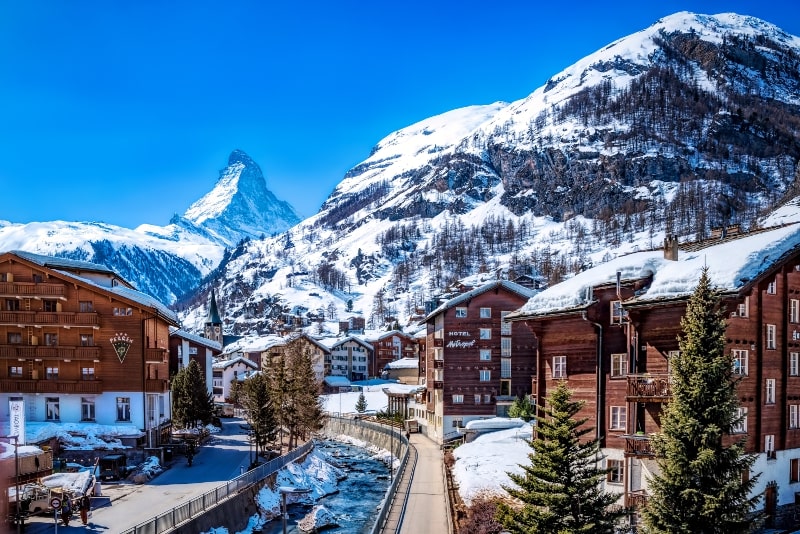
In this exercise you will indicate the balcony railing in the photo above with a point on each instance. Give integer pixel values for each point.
(155, 355)
(30, 289)
(155, 385)
(16, 385)
(29, 352)
(636, 499)
(638, 445)
(649, 388)
(35, 318)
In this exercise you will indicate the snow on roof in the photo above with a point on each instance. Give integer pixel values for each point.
(402, 389)
(334, 342)
(254, 344)
(495, 423)
(403, 363)
(54, 262)
(210, 343)
(76, 483)
(469, 295)
(732, 264)
(223, 364)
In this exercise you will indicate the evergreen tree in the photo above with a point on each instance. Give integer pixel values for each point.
(701, 488)
(361, 403)
(561, 489)
(191, 400)
(256, 401)
(181, 400)
(305, 401)
(522, 408)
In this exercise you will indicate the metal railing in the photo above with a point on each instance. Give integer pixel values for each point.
(202, 504)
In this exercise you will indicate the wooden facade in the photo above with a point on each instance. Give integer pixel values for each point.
(614, 351)
(59, 321)
(475, 364)
(389, 347)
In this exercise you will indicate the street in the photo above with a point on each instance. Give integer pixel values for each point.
(125, 505)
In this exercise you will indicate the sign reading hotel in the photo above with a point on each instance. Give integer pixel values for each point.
(17, 420)
(460, 343)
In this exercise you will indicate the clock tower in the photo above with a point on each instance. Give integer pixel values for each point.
(213, 328)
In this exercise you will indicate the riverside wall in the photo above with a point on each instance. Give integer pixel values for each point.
(381, 435)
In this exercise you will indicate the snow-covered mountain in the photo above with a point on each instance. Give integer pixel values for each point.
(168, 261)
(690, 124)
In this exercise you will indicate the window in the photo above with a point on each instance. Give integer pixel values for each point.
(87, 373)
(15, 371)
(505, 347)
(51, 409)
(794, 311)
(487, 398)
(85, 306)
(87, 409)
(458, 422)
(739, 362)
(740, 427)
(485, 376)
(505, 326)
(14, 338)
(619, 416)
(793, 415)
(87, 340)
(615, 471)
(772, 287)
(12, 304)
(122, 311)
(486, 355)
(52, 373)
(794, 363)
(486, 333)
(51, 339)
(771, 336)
(461, 313)
(617, 313)
(505, 368)
(50, 305)
(458, 399)
(559, 366)
(744, 308)
(477, 398)
(123, 409)
(769, 391)
(192, 351)
(486, 313)
(794, 470)
(619, 364)
(769, 443)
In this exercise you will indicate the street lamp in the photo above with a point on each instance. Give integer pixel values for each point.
(285, 490)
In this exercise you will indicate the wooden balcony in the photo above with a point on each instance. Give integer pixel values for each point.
(155, 385)
(37, 352)
(438, 384)
(438, 364)
(38, 318)
(636, 499)
(156, 355)
(648, 388)
(31, 290)
(638, 445)
(16, 385)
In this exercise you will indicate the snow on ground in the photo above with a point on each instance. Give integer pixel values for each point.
(482, 466)
(346, 402)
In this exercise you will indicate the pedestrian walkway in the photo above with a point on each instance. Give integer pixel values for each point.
(420, 504)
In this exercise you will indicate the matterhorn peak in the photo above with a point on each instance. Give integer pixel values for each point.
(240, 205)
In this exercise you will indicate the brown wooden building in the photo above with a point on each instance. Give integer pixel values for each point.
(475, 364)
(79, 344)
(388, 347)
(610, 333)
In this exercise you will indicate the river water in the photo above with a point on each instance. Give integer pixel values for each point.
(355, 505)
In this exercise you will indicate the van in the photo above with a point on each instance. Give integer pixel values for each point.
(114, 467)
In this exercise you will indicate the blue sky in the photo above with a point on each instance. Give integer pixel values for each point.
(124, 112)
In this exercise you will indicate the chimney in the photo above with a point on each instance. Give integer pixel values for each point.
(671, 248)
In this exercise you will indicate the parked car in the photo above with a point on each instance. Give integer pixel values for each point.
(114, 467)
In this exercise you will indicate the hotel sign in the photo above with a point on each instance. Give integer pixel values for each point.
(460, 343)
(17, 420)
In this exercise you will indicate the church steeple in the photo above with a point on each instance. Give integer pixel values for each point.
(213, 328)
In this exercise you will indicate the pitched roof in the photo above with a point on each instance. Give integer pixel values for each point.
(194, 338)
(469, 295)
(213, 311)
(224, 364)
(732, 263)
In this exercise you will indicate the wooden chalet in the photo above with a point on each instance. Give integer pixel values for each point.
(388, 347)
(610, 332)
(185, 347)
(80, 344)
(475, 363)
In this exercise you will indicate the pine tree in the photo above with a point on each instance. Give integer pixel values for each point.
(191, 400)
(522, 408)
(361, 403)
(256, 401)
(561, 489)
(701, 488)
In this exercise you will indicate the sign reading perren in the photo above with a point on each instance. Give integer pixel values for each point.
(121, 343)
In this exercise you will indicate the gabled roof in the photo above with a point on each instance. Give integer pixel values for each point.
(224, 364)
(733, 265)
(391, 333)
(67, 264)
(357, 339)
(316, 342)
(194, 338)
(469, 295)
(127, 293)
